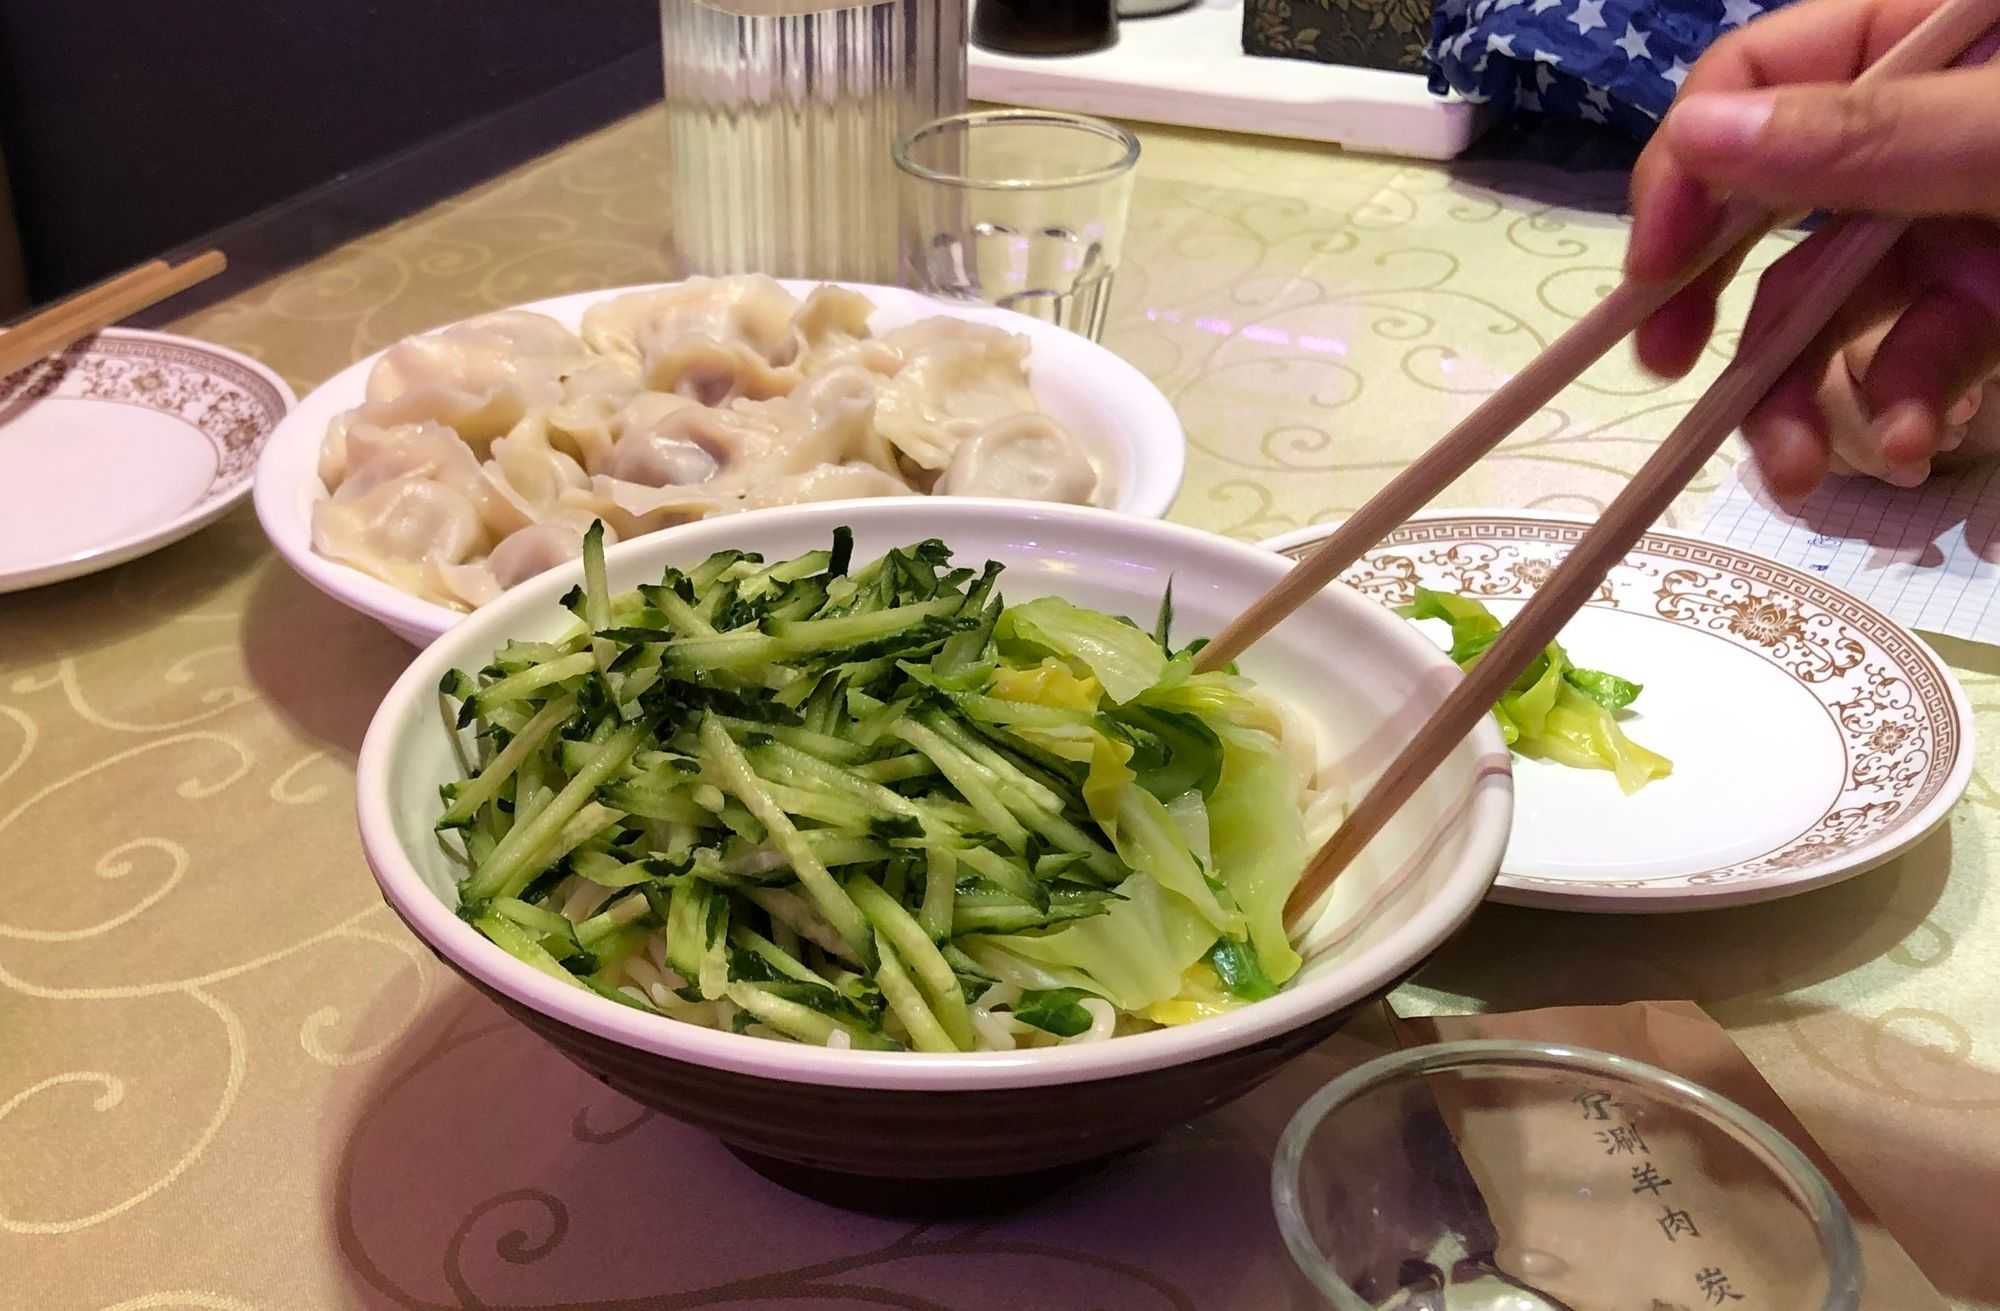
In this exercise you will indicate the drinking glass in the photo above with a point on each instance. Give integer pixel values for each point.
(781, 116)
(1021, 208)
(1514, 1176)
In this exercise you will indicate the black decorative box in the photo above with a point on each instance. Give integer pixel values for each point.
(1385, 34)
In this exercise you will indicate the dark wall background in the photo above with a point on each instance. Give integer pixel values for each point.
(130, 127)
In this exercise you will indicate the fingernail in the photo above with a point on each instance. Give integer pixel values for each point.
(1906, 433)
(1908, 475)
(1790, 456)
(1722, 122)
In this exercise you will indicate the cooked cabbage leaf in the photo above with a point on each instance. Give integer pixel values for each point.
(1125, 660)
(1132, 955)
(1554, 711)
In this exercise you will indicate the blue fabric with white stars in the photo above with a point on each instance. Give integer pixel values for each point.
(1614, 62)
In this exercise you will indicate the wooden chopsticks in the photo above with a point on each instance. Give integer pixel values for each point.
(1846, 251)
(1941, 39)
(62, 325)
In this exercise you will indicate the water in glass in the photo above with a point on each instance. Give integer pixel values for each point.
(782, 115)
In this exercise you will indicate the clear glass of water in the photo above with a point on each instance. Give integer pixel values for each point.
(1021, 208)
(1510, 1176)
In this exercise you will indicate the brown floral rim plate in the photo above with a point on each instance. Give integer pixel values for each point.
(1813, 737)
(122, 444)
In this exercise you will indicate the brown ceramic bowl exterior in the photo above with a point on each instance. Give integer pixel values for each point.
(842, 1144)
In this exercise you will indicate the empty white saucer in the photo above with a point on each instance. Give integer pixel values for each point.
(122, 444)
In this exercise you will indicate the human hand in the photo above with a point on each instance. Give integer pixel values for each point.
(1769, 114)
(1856, 445)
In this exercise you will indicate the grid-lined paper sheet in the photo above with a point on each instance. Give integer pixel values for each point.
(1928, 556)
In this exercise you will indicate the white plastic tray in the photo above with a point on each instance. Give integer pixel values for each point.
(1189, 69)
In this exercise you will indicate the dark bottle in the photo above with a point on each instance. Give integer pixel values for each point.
(1045, 27)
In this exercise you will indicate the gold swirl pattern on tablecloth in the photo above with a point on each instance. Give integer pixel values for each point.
(229, 1080)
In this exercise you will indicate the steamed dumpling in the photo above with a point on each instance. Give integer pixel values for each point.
(480, 377)
(655, 459)
(373, 455)
(489, 349)
(409, 410)
(526, 478)
(709, 339)
(840, 407)
(397, 528)
(829, 482)
(461, 586)
(582, 425)
(831, 332)
(484, 451)
(960, 376)
(538, 549)
(1028, 457)
(523, 554)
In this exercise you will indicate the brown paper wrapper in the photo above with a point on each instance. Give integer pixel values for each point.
(1680, 1037)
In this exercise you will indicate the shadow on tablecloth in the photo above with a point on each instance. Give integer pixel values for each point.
(481, 1169)
(322, 667)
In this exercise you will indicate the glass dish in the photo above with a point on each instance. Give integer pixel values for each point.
(1511, 1176)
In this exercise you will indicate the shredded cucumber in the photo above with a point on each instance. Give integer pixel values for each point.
(838, 801)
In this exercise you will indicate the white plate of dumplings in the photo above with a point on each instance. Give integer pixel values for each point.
(422, 482)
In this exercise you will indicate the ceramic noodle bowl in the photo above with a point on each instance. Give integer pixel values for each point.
(923, 1131)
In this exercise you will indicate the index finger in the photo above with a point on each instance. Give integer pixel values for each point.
(1673, 212)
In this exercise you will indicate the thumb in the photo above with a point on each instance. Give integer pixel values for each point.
(1918, 146)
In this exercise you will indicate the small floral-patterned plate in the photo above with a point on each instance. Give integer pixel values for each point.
(122, 444)
(1812, 736)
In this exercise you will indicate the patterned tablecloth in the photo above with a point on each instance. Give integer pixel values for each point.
(229, 1079)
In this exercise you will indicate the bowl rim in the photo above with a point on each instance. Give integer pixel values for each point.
(1488, 820)
(286, 485)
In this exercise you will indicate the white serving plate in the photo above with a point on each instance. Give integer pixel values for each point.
(1813, 738)
(1129, 428)
(126, 442)
(1365, 678)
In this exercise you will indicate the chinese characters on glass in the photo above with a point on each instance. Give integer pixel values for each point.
(1623, 1138)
